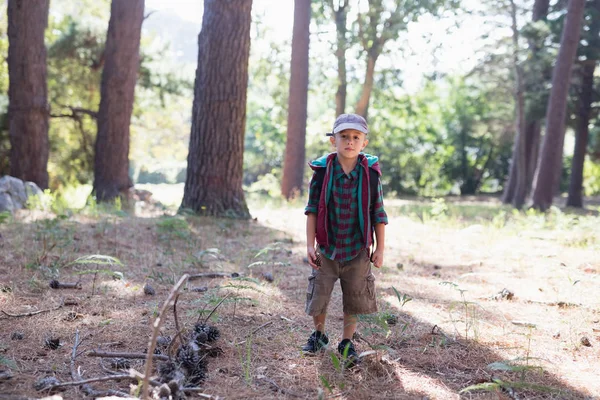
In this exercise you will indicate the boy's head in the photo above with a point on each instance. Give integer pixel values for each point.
(349, 135)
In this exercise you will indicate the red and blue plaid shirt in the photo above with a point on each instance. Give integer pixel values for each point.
(346, 239)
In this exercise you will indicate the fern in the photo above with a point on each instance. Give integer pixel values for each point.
(96, 259)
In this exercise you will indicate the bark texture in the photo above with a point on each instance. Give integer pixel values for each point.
(340, 16)
(215, 161)
(28, 108)
(119, 76)
(552, 147)
(523, 163)
(295, 148)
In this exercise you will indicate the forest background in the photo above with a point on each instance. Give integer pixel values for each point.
(442, 110)
(477, 300)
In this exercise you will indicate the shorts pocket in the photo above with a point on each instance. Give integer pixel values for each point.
(371, 285)
(311, 288)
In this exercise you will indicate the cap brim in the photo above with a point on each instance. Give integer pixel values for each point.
(350, 125)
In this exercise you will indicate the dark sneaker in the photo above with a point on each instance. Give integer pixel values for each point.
(315, 342)
(348, 352)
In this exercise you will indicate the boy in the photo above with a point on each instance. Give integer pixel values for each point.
(345, 207)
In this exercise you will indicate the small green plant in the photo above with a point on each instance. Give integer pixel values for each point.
(200, 256)
(246, 359)
(402, 298)
(98, 259)
(5, 216)
(7, 362)
(468, 309)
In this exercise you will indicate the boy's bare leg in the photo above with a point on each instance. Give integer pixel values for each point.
(319, 321)
(350, 322)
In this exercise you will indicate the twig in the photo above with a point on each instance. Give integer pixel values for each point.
(176, 324)
(210, 275)
(119, 377)
(157, 323)
(196, 392)
(87, 389)
(254, 331)
(141, 356)
(524, 323)
(276, 387)
(175, 338)
(215, 309)
(29, 314)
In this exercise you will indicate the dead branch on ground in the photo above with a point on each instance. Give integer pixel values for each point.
(141, 356)
(32, 313)
(157, 323)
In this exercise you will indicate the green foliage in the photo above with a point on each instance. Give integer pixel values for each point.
(5, 216)
(7, 362)
(591, 177)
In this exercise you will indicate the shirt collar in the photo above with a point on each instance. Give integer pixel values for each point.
(338, 171)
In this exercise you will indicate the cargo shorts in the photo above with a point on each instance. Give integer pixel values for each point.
(356, 280)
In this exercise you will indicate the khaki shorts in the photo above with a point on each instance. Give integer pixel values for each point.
(356, 279)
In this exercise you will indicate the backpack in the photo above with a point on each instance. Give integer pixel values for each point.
(373, 183)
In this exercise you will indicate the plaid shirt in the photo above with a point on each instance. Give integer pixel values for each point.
(343, 224)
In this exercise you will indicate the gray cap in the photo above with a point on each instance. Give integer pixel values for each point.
(349, 121)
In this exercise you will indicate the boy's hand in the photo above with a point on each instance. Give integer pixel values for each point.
(313, 259)
(377, 258)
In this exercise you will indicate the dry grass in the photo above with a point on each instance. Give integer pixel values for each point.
(444, 341)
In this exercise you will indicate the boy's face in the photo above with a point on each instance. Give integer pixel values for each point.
(349, 143)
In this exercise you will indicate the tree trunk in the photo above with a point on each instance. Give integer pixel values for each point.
(340, 16)
(213, 184)
(533, 130)
(28, 109)
(552, 149)
(293, 170)
(119, 76)
(519, 157)
(362, 107)
(575, 198)
(530, 129)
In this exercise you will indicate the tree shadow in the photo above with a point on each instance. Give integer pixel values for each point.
(263, 322)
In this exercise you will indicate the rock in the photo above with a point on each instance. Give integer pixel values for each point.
(586, 342)
(14, 193)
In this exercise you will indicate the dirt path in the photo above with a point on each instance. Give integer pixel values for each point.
(447, 334)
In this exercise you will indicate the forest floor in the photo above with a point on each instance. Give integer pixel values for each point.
(480, 295)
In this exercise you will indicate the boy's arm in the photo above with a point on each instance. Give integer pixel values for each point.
(377, 257)
(311, 233)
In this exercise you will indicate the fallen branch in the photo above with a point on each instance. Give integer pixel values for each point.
(211, 275)
(118, 377)
(141, 356)
(157, 323)
(78, 381)
(32, 313)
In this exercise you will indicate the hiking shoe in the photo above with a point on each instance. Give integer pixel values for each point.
(348, 352)
(316, 342)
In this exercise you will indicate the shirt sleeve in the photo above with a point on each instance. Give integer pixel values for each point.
(314, 193)
(379, 214)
